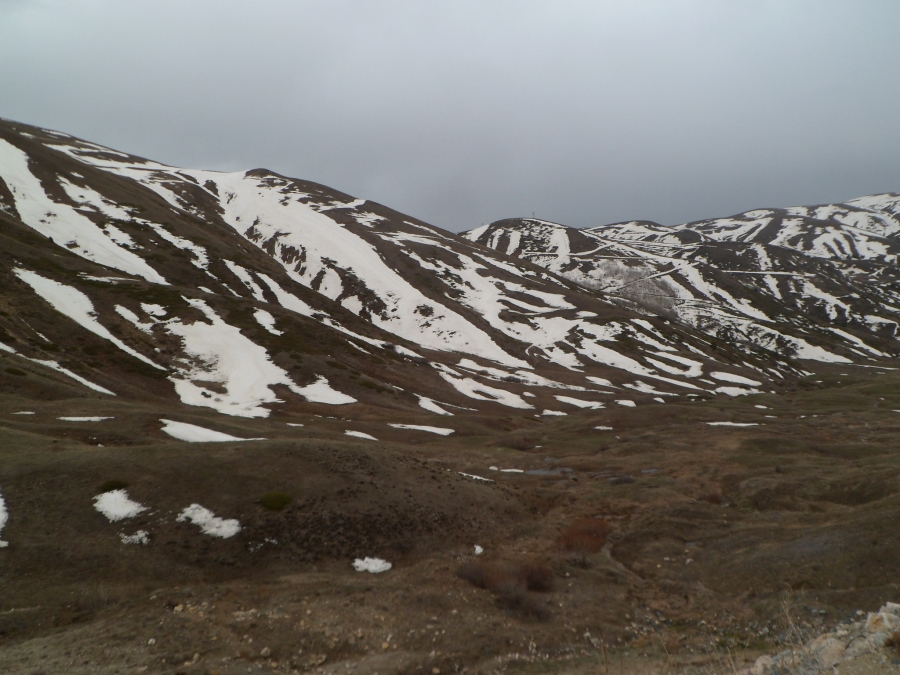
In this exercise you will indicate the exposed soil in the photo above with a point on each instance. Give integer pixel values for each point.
(719, 537)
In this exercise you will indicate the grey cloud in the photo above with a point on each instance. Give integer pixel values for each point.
(464, 112)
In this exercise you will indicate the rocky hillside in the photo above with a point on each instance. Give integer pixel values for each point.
(818, 283)
(251, 292)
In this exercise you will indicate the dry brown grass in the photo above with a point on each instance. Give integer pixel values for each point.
(586, 535)
(510, 583)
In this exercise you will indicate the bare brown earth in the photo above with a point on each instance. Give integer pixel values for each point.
(726, 542)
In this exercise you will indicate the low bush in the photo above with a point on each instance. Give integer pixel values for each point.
(510, 583)
(586, 535)
(111, 485)
(714, 497)
(536, 577)
(275, 501)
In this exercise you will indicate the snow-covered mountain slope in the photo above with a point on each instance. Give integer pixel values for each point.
(818, 283)
(250, 293)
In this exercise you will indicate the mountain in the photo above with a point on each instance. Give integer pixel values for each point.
(249, 422)
(819, 283)
(251, 293)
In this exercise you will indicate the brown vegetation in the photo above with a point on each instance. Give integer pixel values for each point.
(586, 535)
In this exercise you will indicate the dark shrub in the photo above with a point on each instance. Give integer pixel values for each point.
(474, 572)
(536, 577)
(111, 485)
(275, 501)
(714, 497)
(586, 535)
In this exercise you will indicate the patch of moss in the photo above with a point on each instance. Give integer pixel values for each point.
(275, 501)
(111, 485)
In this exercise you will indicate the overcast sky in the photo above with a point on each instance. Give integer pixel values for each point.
(462, 112)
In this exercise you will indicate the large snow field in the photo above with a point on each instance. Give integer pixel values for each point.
(116, 505)
(208, 522)
(194, 434)
(266, 204)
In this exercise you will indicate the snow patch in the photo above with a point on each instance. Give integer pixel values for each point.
(360, 434)
(208, 522)
(194, 434)
(371, 565)
(77, 306)
(736, 379)
(139, 537)
(593, 405)
(733, 424)
(116, 505)
(84, 419)
(431, 406)
(441, 431)
(4, 518)
(267, 321)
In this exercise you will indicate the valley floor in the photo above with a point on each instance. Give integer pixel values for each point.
(726, 542)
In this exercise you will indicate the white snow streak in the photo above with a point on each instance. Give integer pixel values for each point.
(441, 431)
(77, 306)
(194, 434)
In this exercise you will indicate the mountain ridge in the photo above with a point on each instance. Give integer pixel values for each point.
(317, 290)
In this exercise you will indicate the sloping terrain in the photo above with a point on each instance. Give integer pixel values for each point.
(249, 423)
(251, 292)
(817, 283)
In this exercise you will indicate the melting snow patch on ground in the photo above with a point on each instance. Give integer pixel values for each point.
(603, 428)
(432, 406)
(474, 389)
(360, 434)
(478, 550)
(84, 419)
(267, 321)
(4, 517)
(194, 434)
(731, 377)
(733, 424)
(116, 505)
(321, 392)
(553, 413)
(627, 403)
(371, 565)
(736, 391)
(441, 431)
(77, 306)
(23, 412)
(474, 477)
(221, 354)
(593, 405)
(208, 522)
(139, 537)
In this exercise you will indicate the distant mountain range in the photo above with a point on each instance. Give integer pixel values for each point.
(811, 282)
(252, 294)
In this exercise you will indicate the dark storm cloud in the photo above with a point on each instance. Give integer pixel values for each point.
(465, 112)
